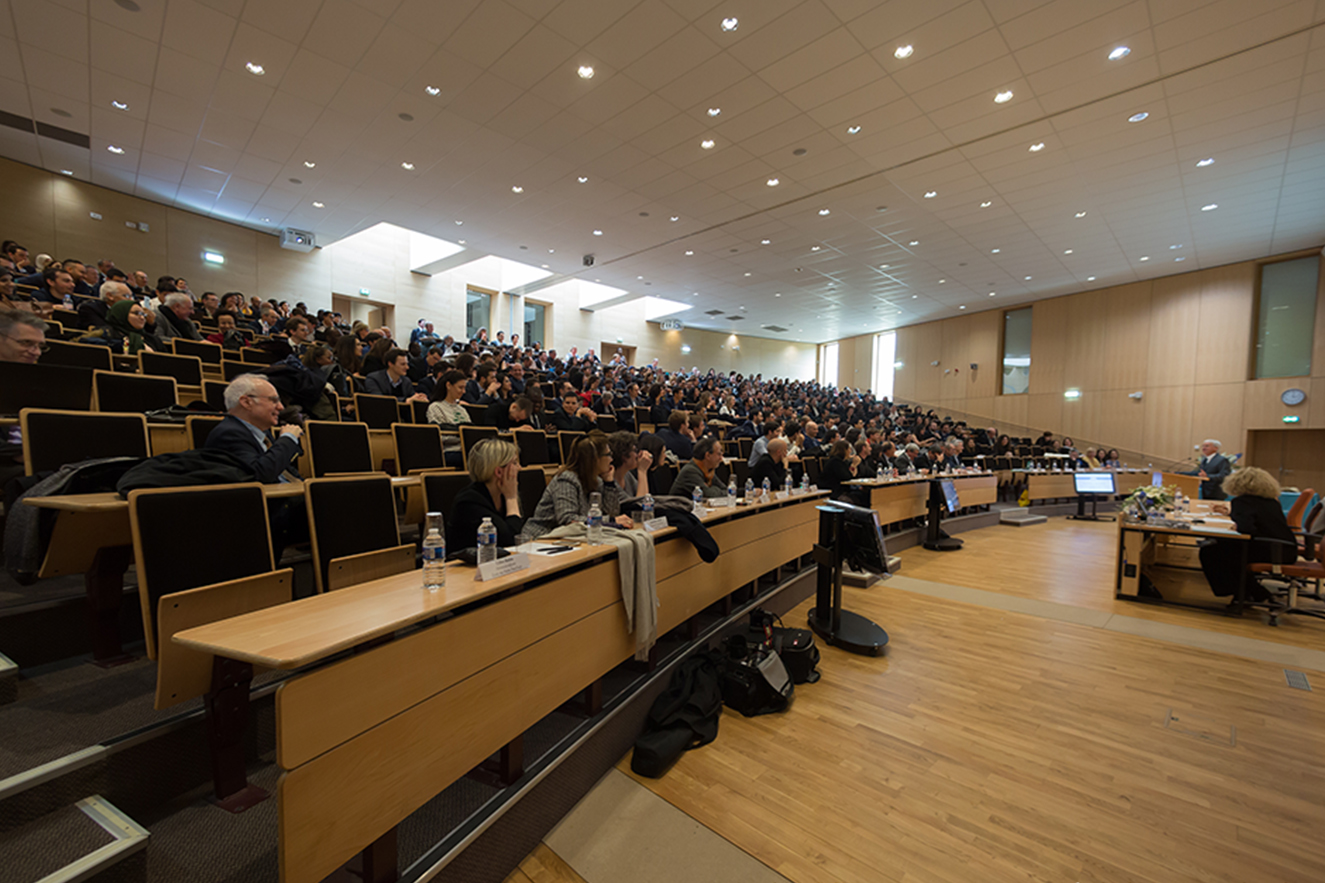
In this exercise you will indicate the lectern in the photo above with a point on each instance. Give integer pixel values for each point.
(847, 535)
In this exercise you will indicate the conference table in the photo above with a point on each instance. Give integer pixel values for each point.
(1045, 484)
(907, 496)
(1168, 556)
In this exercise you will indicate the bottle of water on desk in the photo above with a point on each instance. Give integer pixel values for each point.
(697, 500)
(646, 508)
(805, 483)
(787, 485)
(749, 491)
(487, 541)
(878, 474)
(594, 521)
(434, 554)
(731, 491)
(764, 494)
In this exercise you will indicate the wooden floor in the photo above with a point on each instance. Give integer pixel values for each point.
(543, 866)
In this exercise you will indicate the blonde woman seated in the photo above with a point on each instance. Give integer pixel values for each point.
(495, 467)
(1255, 511)
(1091, 460)
(447, 412)
(566, 500)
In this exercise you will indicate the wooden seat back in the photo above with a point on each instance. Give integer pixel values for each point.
(607, 423)
(210, 353)
(417, 447)
(439, 492)
(77, 355)
(471, 435)
(566, 441)
(198, 426)
(230, 369)
(530, 485)
(166, 564)
(349, 515)
(256, 356)
(351, 570)
(186, 370)
(213, 393)
(116, 391)
(52, 439)
(338, 447)
(747, 447)
(533, 446)
(57, 387)
(379, 412)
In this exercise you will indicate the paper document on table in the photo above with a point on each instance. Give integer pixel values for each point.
(545, 550)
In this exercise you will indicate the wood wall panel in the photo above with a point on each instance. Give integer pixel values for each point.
(928, 348)
(1262, 407)
(1313, 412)
(954, 360)
(1217, 413)
(1166, 418)
(983, 348)
(846, 361)
(1048, 345)
(1120, 422)
(1044, 411)
(1012, 411)
(1126, 340)
(1226, 325)
(1175, 315)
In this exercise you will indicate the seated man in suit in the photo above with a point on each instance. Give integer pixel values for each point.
(573, 416)
(676, 436)
(506, 415)
(701, 471)
(771, 465)
(92, 313)
(253, 411)
(393, 380)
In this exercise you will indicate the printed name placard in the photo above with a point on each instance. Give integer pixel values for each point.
(781, 495)
(653, 525)
(503, 566)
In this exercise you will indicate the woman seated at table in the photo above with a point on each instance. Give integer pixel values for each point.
(495, 467)
(1255, 511)
(1003, 447)
(1092, 461)
(1111, 460)
(125, 329)
(447, 412)
(566, 501)
(839, 468)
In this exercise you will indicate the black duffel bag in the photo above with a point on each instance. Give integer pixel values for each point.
(795, 646)
(754, 680)
(684, 716)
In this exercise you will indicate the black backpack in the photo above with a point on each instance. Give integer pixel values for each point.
(684, 716)
(795, 646)
(754, 680)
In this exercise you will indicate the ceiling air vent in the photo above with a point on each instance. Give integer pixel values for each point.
(713, 312)
(735, 318)
(778, 328)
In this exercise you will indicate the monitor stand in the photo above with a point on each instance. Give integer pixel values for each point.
(1081, 509)
(935, 541)
(840, 628)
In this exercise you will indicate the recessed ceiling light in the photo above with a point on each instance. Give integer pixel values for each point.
(824, 211)
(962, 307)
(1179, 259)
(765, 241)
(707, 144)
(747, 275)
(688, 253)
(991, 294)
(1174, 247)
(853, 130)
(995, 250)
(544, 266)
(310, 165)
(432, 90)
(115, 150)
(1208, 161)
(1003, 97)
(66, 171)
(459, 223)
(407, 166)
(318, 205)
(941, 281)
(266, 220)
(914, 242)
(598, 232)
(1037, 147)
(814, 248)
(930, 194)
(1081, 214)
(551, 251)
(674, 218)
(777, 294)
(903, 51)
(1028, 279)
(1090, 278)
(1145, 257)
(639, 277)
(517, 189)
(1138, 117)
(585, 72)
(119, 105)
(1209, 208)
(986, 204)
(1068, 251)
(730, 24)
(255, 69)
(461, 241)
(714, 111)
(1120, 52)
(773, 182)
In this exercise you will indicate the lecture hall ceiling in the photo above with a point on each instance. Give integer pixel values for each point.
(811, 209)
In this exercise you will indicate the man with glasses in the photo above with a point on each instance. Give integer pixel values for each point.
(22, 337)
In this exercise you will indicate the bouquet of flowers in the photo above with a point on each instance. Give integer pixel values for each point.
(1156, 497)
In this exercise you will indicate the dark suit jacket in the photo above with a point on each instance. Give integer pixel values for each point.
(678, 444)
(472, 505)
(92, 313)
(379, 384)
(767, 467)
(1217, 468)
(569, 423)
(234, 436)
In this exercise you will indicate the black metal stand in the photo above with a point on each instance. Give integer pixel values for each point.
(840, 628)
(935, 541)
(1081, 509)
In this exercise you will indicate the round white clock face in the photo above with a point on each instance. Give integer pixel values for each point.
(1293, 397)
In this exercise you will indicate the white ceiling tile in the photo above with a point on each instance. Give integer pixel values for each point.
(291, 114)
(343, 31)
(227, 129)
(397, 55)
(55, 74)
(540, 54)
(197, 31)
(642, 29)
(177, 74)
(160, 168)
(124, 54)
(175, 113)
(272, 144)
(241, 95)
(488, 32)
(168, 142)
(14, 98)
(289, 18)
(215, 157)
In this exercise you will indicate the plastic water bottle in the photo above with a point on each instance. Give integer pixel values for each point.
(749, 490)
(878, 474)
(788, 485)
(434, 554)
(805, 483)
(487, 541)
(68, 301)
(646, 508)
(731, 491)
(765, 491)
(595, 520)
(697, 499)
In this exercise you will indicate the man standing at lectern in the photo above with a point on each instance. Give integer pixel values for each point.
(1213, 469)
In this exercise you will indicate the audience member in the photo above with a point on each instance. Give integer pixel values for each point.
(1256, 511)
(701, 471)
(566, 500)
(393, 380)
(494, 466)
(22, 337)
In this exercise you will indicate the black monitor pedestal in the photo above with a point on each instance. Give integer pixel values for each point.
(1081, 509)
(840, 628)
(935, 541)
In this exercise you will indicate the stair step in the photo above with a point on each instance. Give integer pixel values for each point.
(71, 844)
(1021, 518)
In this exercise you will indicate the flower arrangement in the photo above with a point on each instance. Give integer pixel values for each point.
(1156, 497)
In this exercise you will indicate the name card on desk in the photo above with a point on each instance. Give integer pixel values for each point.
(781, 495)
(503, 566)
(720, 502)
(653, 525)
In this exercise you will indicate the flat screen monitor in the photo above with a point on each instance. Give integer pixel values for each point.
(1157, 479)
(950, 497)
(1094, 483)
(863, 538)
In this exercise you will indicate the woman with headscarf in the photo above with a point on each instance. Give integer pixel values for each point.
(123, 331)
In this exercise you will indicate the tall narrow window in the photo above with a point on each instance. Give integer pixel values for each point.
(478, 312)
(1287, 316)
(1016, 351)
(885, 356)
(828, 364)
(533, 323)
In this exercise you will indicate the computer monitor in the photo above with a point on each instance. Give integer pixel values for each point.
(950, 497)
(862, 538)
(1094, 483)
(1157, 479)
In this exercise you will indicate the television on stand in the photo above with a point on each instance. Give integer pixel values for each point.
(848, 535)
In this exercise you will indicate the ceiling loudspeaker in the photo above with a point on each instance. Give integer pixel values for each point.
(297, 240)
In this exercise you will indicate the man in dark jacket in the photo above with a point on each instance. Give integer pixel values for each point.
(573, 416)
(676, 436)
(393, 380)
(770, 465)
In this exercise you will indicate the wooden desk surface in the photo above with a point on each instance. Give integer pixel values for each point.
(904, 479)
(111, 501)
(300, 633)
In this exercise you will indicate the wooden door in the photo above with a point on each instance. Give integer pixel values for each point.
(1293, 456)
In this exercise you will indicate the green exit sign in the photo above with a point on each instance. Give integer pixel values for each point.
(1292, 418)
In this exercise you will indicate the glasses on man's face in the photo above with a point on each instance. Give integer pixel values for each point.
(23, 344)
(272, 399)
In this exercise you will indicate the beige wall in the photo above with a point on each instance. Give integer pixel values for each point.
(51, 213)
(1184, 341)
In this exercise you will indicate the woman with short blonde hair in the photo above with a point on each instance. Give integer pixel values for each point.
(495, 467)
(1256, 512)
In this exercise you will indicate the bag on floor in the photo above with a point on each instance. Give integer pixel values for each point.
(684, 716)
(795, 646)
(754, 680)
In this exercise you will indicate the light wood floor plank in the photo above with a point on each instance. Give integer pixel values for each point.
(544, 866)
